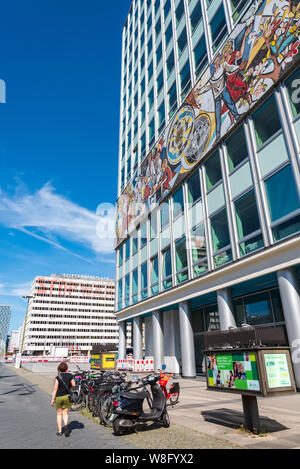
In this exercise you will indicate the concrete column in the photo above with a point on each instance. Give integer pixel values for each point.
(122, 340)
(158, 339)
(172, 341)
(226, 309)
(137, 339)
(148, 337)
(187, 342)
(290, 297)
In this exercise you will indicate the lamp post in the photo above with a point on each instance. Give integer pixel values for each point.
(25, 321)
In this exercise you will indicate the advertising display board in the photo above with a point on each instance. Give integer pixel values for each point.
(234, 370)
(257, 371)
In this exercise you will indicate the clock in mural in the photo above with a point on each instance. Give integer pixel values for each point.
(180, 134)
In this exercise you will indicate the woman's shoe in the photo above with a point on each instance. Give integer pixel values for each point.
(67, 432)
(59, 434)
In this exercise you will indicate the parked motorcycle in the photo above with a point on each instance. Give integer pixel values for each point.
(129, 412)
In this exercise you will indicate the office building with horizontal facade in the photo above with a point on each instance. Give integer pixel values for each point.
(69, 311)
(208, 211)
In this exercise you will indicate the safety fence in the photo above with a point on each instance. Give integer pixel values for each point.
(46, 359)
(137, 366)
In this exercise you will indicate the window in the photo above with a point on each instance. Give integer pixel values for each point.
(135, 286)
(199, 254)
(153, 225)
(258, 309)
(221, 238)
(164, 214)
(213, 170)
(121, 255)
(135, 244)
(158, 28)
(182, 42)
(161, 116)
(150, 71)
(196, 16)
(127, 249)
(167, 8)
(160, 82)
(143, 235)
(169, 33)
(144, 281)
(236, 149)
(167, 269)
(218, 28)
(178, 204)
(154, 276)
(185, 78)
(181, 261)
(151, 98)
(266, 121)
(200, 56)
(194, 188)
(127, 290)
(179, 12)
(120, 294)
(237, 6)
(151, 131)
(158, 53)
(172, 99)
(283, 200)
(170, 63)
(248, 223)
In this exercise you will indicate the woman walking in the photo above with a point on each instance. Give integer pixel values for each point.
(60, 397)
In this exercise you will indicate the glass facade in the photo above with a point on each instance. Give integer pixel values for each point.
(244, 197)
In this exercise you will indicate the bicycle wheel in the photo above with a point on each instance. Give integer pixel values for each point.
(80, 404)
(174, 398)
(107, 411)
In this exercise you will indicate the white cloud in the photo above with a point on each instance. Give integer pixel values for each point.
(46, 214)
(21, 289)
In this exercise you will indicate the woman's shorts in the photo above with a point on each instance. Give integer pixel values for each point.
(62, 402)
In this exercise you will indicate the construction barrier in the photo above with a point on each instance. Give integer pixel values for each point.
(125, 365)
(137, 366)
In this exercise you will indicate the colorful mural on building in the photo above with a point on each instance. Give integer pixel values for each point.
(259, 50)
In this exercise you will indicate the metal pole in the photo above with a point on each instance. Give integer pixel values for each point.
(251, 414)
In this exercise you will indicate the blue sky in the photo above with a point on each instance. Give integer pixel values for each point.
(61, 61)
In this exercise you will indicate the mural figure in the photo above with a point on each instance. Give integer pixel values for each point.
(262, 46)
(219, 86)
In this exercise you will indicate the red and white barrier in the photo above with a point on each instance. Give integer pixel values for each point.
(143, 366)
(125, 365)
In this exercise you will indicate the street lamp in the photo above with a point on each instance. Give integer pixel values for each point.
(25, 321)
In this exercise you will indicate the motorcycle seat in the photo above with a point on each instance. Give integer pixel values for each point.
(134, 395)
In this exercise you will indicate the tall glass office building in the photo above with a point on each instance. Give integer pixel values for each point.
(5, 315)
(208, 192)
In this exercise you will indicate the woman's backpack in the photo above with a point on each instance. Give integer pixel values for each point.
(73, 393)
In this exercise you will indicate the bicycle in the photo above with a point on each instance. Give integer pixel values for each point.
(173, 394)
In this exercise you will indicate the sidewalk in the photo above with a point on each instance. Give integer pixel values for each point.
(219, 416)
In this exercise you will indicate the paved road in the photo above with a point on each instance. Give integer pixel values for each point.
(28, 421)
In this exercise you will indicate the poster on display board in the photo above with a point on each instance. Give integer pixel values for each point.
(233, 371)
(277, 371)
